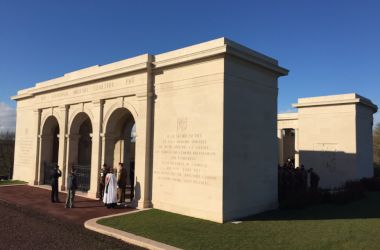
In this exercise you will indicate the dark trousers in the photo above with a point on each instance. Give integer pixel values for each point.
(101, 190)
(70, 198)
(121, 194)
(54, 191)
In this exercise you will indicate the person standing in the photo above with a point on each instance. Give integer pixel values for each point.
(132, 179)
(102, 180)
(314, 180)
(71, 188)
(110, 189)
(55, 174)
(121, 183)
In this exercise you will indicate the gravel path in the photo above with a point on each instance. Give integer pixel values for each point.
(22, 228)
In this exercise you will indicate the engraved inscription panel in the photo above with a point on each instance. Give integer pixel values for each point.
(24, 148)
(185, 156)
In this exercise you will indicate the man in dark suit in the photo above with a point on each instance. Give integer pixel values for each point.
(55, 174)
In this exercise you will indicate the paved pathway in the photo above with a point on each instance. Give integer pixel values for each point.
(30, 221)
(39, 199)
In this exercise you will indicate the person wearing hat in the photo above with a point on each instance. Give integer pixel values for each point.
(55, 174)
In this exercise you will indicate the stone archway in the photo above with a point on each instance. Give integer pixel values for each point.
(119, 144)
(80, 149)
(49, 148)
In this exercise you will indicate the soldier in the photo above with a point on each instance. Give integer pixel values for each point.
(103, 173)
(121, 183)
(55, 174)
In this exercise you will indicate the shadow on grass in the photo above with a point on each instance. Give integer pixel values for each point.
(367, 208)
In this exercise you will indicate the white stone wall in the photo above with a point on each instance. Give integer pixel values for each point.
(186, 104)
(250, 139)
(333, 136)
(188, 140)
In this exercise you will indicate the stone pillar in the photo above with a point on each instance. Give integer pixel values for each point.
(63, 110)
(296, 148)
(280, 140)
(143, 158)
(37, 115)
(97, 128)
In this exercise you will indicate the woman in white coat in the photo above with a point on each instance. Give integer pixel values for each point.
(110, 190)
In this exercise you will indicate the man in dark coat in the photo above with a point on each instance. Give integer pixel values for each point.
(71, 188)
(102, 180)
(55, 174)
(132, 179)
(314, 180)
(121, 183)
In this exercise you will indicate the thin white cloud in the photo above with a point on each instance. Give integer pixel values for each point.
(7, 118)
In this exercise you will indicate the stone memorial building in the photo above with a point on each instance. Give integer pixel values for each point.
(195, 128)
(332, 135)
(197, 125)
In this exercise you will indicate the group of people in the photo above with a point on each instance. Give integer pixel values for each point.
(292, 179)
(71, 186)
(111, 188)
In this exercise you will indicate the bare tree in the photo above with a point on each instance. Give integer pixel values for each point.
(7, 135)
(376, 149)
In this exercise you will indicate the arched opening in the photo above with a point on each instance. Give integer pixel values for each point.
(49, 148)
(288, 137)
(120, 139)
(80, 150)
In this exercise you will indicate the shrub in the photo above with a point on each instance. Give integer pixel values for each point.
(371, 184)
(350, 191)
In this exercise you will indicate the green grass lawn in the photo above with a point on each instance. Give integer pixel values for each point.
(11, 182)
(351, 226)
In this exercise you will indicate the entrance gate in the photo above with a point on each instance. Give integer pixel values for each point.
(83, 173)
(48, 167)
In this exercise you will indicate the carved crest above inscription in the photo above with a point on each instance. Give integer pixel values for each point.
(182, 124)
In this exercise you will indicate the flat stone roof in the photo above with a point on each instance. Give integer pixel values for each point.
(142, 62)
(287, 116)
(350, 98)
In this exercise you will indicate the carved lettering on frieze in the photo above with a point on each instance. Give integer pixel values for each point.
(90, 89)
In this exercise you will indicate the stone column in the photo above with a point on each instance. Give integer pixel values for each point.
(37, 115)
(96, 157)
(280, 140)
(63, 110)
(296, 148)
(144, 139)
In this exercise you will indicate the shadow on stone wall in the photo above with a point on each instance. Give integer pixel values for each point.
(334, 167)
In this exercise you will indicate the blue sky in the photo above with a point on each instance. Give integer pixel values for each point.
(330, 47)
